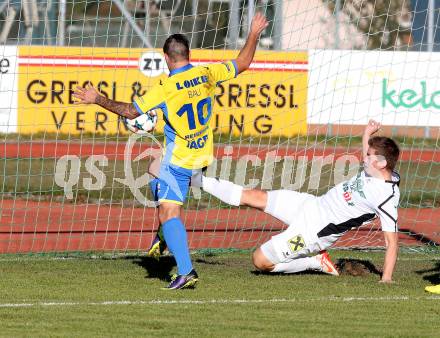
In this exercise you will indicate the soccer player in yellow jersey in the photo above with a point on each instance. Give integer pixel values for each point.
(186, 99)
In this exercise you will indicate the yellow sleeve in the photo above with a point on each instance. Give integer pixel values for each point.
(153, 98)
(219, 72)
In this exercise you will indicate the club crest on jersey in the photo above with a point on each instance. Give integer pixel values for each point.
(296, 243)
(358, 185)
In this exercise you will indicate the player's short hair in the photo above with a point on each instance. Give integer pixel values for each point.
(177, 47)
(387, 148)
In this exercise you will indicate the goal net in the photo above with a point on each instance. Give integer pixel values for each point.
(73, 178)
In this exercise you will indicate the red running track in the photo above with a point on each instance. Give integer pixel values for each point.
(28, 226)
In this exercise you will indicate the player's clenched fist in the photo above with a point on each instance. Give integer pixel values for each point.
(86, 95)
(259, 23)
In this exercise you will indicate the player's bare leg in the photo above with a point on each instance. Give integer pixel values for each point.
(230, 192)
(158, 245)
(154, 167)
(263, 259)
(254, 198)
(261, 262)
(320, 262)
(168, 211)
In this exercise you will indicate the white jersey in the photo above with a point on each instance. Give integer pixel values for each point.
(315, 223)
(359, 200)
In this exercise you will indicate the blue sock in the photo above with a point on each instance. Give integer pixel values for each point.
(153, 187)
(174, 233)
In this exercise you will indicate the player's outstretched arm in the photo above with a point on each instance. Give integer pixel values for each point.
(371, 128)
(391, 240)
(244, 59)
(89, 95)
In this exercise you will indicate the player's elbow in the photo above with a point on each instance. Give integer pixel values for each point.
(242, 64)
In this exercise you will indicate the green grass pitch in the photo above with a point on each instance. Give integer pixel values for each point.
(78, 295)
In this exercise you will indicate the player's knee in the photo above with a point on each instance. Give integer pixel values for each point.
(168, 211)
(261, 262)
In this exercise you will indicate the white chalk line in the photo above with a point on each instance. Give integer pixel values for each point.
(219, 301)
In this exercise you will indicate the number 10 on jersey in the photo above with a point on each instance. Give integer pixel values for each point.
(189, 111)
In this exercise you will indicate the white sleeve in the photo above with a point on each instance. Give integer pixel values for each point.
(387, 212)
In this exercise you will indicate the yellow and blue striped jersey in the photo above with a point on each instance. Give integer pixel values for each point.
(186, 98)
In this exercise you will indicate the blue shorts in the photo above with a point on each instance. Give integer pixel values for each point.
(173, 183)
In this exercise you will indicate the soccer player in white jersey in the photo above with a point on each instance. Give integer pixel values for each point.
(316, 222)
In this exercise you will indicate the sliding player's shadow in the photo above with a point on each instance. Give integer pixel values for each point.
(432, 275)
(160, 269)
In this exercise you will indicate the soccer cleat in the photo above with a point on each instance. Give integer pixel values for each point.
(433, 289)
(157, 247)
(327, 265)
(183, 281)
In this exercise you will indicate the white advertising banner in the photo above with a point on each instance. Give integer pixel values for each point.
(8, 89)
(396, 88)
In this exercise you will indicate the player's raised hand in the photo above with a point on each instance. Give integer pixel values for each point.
(86, 95)
(372, 127)
(259, 24)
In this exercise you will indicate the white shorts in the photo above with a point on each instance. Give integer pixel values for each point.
(301, 212)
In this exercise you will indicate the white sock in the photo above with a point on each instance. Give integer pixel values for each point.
(225, 191)
(298, 265)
